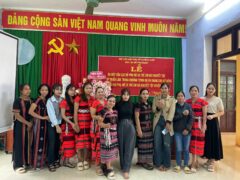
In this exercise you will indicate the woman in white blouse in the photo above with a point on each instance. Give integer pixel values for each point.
(213, 144)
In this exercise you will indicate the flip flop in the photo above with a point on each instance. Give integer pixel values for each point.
(99, 171)
(69, 165)
(21, 170)
(86, 165)
(162, 168)
(211, 168)
(80, 166)
(51, 168)
(177, 169)
(57, 164)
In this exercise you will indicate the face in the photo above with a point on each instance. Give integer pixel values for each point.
(111, 102)
(71, 92)
(58, 92)
(44, 91)
(180, 97)
(194, 92)
(144, 95)
(88, 89)
(100, 93)
(26, 91)
(164, 89)
(211, 90)
(125, 96)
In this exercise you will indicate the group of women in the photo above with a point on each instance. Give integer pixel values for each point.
(51, 129)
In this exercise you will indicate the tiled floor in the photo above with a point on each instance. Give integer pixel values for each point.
(228, 169)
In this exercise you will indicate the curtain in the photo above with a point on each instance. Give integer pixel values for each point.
(31, 72)
(113, 45)
(55, 65)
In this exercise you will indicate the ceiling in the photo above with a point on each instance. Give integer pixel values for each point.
(143, 8)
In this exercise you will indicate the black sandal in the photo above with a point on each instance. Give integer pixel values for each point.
(51, 168)
(109, 173)
(147, 166)
(57, 164)
(69, 165)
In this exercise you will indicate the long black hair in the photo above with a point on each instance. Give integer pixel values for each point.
(209, 84)
(83, 94)
(49, 91)
(141, 90)
(68, 98)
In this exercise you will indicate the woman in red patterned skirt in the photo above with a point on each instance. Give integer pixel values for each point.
(97, 106)
(68, 126)
(82, 118)
(199, 107)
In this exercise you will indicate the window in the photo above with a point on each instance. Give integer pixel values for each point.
(224, 44)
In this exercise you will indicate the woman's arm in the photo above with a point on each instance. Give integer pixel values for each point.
(63, 111)
(35, 115)
(137, 120)
(21, 119)
(93, 112)
(204, 110)
(75, 116)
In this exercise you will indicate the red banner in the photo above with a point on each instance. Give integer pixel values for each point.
(137, 72)
(49, 21)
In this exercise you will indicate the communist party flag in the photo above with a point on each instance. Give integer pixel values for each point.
(64, 53)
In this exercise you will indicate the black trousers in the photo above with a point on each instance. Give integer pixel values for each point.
(53, 145)
(126, 140)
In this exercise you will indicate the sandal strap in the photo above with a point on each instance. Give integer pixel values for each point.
(21, 170)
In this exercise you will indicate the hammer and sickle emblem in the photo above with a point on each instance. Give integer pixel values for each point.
(56, 48)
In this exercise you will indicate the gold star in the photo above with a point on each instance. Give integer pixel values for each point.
(73, 47)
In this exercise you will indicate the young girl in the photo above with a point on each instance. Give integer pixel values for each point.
(108, 136)
(143, 112)
(82, 119)
(54, 128)
(38, 110)
(213, 150)
(199, 107)
(126, 131)
(95, 109)
(68, 126)
(22, 130)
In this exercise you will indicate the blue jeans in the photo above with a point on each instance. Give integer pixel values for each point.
(182, 145)
(162, 146)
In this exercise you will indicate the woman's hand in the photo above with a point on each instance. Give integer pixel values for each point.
(29, 125)
(45, 118)
(204, 128)
(168, 127)
(210, 117)
(186, 112)
(160, 103)
(58, 129)
(77, 129)
(185, 132)
(139, 133)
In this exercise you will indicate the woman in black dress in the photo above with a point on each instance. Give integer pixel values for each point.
(22, 131)
(38, 111)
